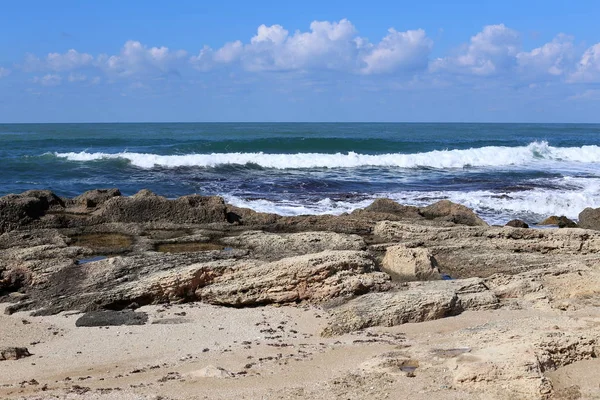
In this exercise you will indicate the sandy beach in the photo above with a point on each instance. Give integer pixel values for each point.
(389, 302)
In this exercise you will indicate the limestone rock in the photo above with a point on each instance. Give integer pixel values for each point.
(420, 301)
(590, 218)
(383, 208)
(96, 197)
(463, 251)
(13, 353)
(211, 371)
(314, 277)
(191, 209)
(17, 211)
(410, 264)
(273, 246)
(456, 213)
(517, 223)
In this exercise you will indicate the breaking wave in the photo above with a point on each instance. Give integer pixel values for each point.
(490, 156)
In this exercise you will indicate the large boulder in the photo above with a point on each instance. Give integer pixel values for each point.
(590, 218)
(420, 301)
(410, 264)
(445, 210)
(313, 277)
(96, 197)
(147, 207)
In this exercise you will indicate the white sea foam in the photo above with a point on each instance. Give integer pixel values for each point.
(534, 154)
(494, 207)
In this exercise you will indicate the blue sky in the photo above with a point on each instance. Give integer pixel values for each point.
(509, 61)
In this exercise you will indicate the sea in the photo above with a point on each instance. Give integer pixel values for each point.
(501, 171)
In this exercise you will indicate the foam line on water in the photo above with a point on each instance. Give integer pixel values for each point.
(495, 208)
(490, 156)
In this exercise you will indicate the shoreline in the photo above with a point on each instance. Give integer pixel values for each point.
(123, 295)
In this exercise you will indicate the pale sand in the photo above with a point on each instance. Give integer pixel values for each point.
(157, 361)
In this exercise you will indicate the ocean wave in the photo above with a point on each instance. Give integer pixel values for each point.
(493, 207)
(491, 156)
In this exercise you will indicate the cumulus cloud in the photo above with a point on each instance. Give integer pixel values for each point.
(58, 62)
(48, 80)
(136, 59)
(4, 72)
(588, 68)
(554, 58)
(492, 51)
(326, 46)
(398, 50)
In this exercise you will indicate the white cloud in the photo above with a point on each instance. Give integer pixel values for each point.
(136, 59)
(398, 50)
(48, 80)
(76, 77)
(326, 46)
(554, 58)
(68, 61)
(492, 51)
(588, 68)
(4, 72)
(58, 62)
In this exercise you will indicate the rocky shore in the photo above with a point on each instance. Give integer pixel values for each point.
(113, 297)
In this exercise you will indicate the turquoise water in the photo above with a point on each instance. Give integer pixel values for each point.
(503, 171)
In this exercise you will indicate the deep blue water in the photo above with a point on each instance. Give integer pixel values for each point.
(501, 170)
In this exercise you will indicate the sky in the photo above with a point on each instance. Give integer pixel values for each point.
(330, 61)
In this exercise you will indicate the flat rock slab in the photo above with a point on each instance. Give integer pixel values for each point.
(13, 353)
(112, 318)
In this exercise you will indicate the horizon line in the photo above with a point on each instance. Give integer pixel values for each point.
(299, 122)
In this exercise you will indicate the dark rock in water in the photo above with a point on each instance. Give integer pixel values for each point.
(553, 220)
(96, 197)
(517, 223)
(147, 207)
(562, 222)
(13, 353)
(446, 210)
(112, 318)
(590, 218)
(390, 207)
